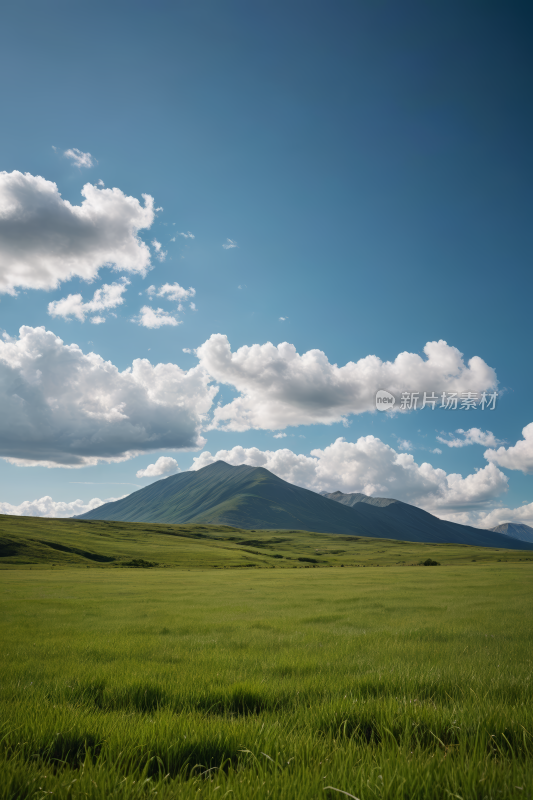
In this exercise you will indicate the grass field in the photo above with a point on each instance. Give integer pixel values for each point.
(42, 543)
(404, 682)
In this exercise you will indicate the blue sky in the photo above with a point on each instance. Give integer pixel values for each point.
(372, 164)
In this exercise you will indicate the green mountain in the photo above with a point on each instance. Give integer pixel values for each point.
(253, 498)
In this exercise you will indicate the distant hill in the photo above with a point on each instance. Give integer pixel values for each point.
(524, 533)
(253, 498)
(357, 497)
(418, 525)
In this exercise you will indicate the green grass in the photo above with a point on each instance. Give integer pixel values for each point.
(40, 543)
(404, 682)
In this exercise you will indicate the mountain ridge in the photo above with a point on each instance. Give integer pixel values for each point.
(518, 530)
(254, 498)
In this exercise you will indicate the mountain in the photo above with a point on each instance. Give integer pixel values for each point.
(524, 533)
(356, 497)
(420, 525)
(253, 498)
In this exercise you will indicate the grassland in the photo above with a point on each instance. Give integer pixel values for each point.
(405, 682)
(42, 543)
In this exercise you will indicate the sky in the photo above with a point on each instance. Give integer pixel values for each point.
(225, 226)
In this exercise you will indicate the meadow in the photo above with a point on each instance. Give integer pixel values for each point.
(406, 682)
(37, 543)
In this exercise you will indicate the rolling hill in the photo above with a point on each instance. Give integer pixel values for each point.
(44, 543)
(253, 498)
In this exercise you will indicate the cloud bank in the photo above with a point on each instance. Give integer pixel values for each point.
(46, 507)
(63, 407)
(374, 468)
(278, 387)
(45, 240)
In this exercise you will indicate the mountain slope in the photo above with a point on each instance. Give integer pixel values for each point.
(253, 498)
(246, 497)
(400, 520)
(524, 533)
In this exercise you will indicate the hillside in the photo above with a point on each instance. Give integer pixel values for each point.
(35, 542)
(517, 530)
(421, 526)
(253, 498)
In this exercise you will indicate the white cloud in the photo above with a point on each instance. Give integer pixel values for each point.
(519, 456)
(492, 517)
(280, 436)
(437, 450)
(163, 466)
(159, 253)
(188, 235)
(45, 240)
(155, 318)
(97, 320)
(278, 387)
(523, 514)
(374, 468)
(229, 244)
(62, 407)
(404, 444)
(192, 306)
(186, 350)
(110, 295)
(171, 291)
(80, 159)
(46, 507)
(283, 319)
(100, 182)
(471, 436)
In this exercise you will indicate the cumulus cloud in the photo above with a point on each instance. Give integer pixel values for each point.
(280, 436)
(229, 244)
(520, 456)
(163, 466)
(171, 291)
(160, 254)
(187, 235)
(522, 514)
(492, 517)
(278, 387)
(404, 444)
(46, 507)
(437, 450)
(45, 240)
(374, 468)
(80, 159)
(62, 407)
(110, 295)
(155, 318)
(471, 436)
